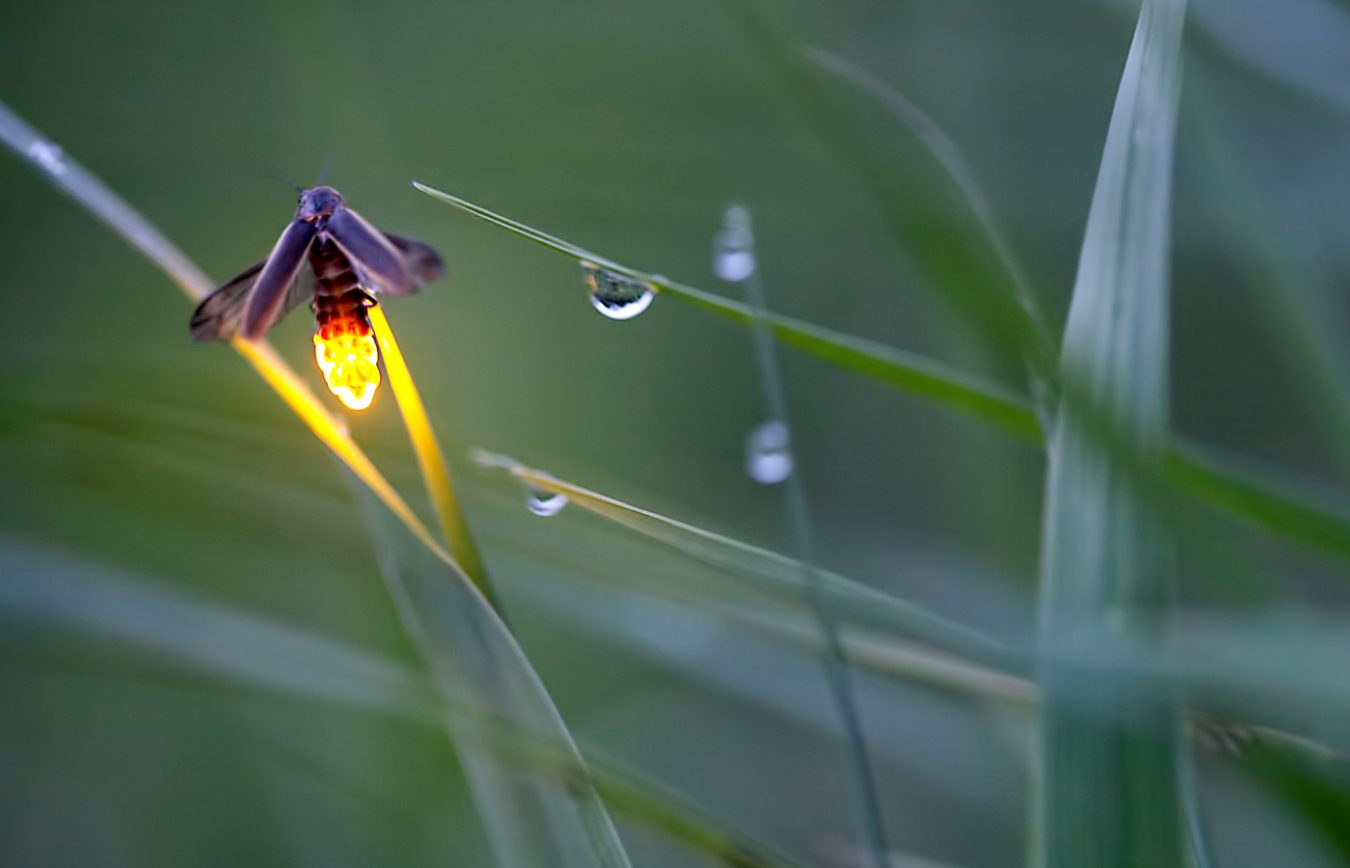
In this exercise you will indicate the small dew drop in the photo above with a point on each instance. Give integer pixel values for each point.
(544, 503)
(49, 156)
(768, 459)
(734, 265)
(614, 295)
(733, 248)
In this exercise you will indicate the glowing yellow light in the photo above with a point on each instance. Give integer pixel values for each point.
(347, 356)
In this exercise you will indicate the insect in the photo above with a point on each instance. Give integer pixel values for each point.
(333, 257)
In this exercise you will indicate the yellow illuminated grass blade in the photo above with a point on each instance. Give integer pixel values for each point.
(430, 458)
(95, 196)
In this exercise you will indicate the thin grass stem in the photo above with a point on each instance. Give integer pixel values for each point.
(801, 532)
(430, 459)
(1287, 508)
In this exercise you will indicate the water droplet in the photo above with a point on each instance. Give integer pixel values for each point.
(768, 459)
(615, 295)
(49, 156)
(543, 502)
(733, 248)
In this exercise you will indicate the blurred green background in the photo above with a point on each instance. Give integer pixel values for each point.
(129, 454)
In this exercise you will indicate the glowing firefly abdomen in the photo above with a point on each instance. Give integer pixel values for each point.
(344, 343)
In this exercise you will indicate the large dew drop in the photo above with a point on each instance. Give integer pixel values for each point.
(614, 295)
(543, 502)
(768, 459)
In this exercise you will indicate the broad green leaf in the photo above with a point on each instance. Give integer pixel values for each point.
(1107, 786)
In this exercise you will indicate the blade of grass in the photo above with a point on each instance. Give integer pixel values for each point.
(1277, 507)
(963, 273)
(121, 218)
(430, 459)
(927, 132)
(471, 652)
(588, 831)
(801, 532)
(1106, 789)
(42, 589)
(778, 575)
(923, 377)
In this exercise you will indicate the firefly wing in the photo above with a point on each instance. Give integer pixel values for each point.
(381, 263)
(423, 262)
(268, 298)
(220, 316)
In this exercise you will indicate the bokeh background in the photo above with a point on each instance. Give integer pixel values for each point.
(129, 455)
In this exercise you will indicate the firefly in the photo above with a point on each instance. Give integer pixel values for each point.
(334, 258)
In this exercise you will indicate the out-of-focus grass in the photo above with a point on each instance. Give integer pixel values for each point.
(526, 824)
(675, 649)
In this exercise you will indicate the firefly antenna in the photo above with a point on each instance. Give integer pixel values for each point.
(327, 168)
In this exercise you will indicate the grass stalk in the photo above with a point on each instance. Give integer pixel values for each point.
(430, 459)
(802, 534)
(1287, 508)
(91, 193)
(1109, 778)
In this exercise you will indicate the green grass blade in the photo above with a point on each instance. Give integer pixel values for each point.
(915, 374)
(472, 653)
(776, 577)
(1292, 508)
(41, 589)
(1107, 792)
(38, 586)
(945, 151)
(1279, 508)
(962, 269)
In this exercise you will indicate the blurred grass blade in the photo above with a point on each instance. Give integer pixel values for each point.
(773, 574)
(471, 653)
(40, 589)
(188, 633)
(1317, 793)
(924, 377)
(117, 215)
(1280, 283)
(1277, 507)
(430, 458)
(954, 163)
(962, 270)
(1296, 509)
(801, 530)
(1107, 786)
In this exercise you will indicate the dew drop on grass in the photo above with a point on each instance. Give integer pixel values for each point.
(543, 502)
(49, 156)
(614, 295)
(733, 248)
(768, 459)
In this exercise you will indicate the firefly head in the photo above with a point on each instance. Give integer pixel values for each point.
(318, 204)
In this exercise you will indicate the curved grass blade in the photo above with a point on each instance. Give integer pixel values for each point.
(954, 163)
(124, 220)
(1278, 507)
(774, 574)
(430, 458)
(947, 248)
(39, 588)
(471, 652)
(1107, 793)
(446, 589)
(923, 377)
